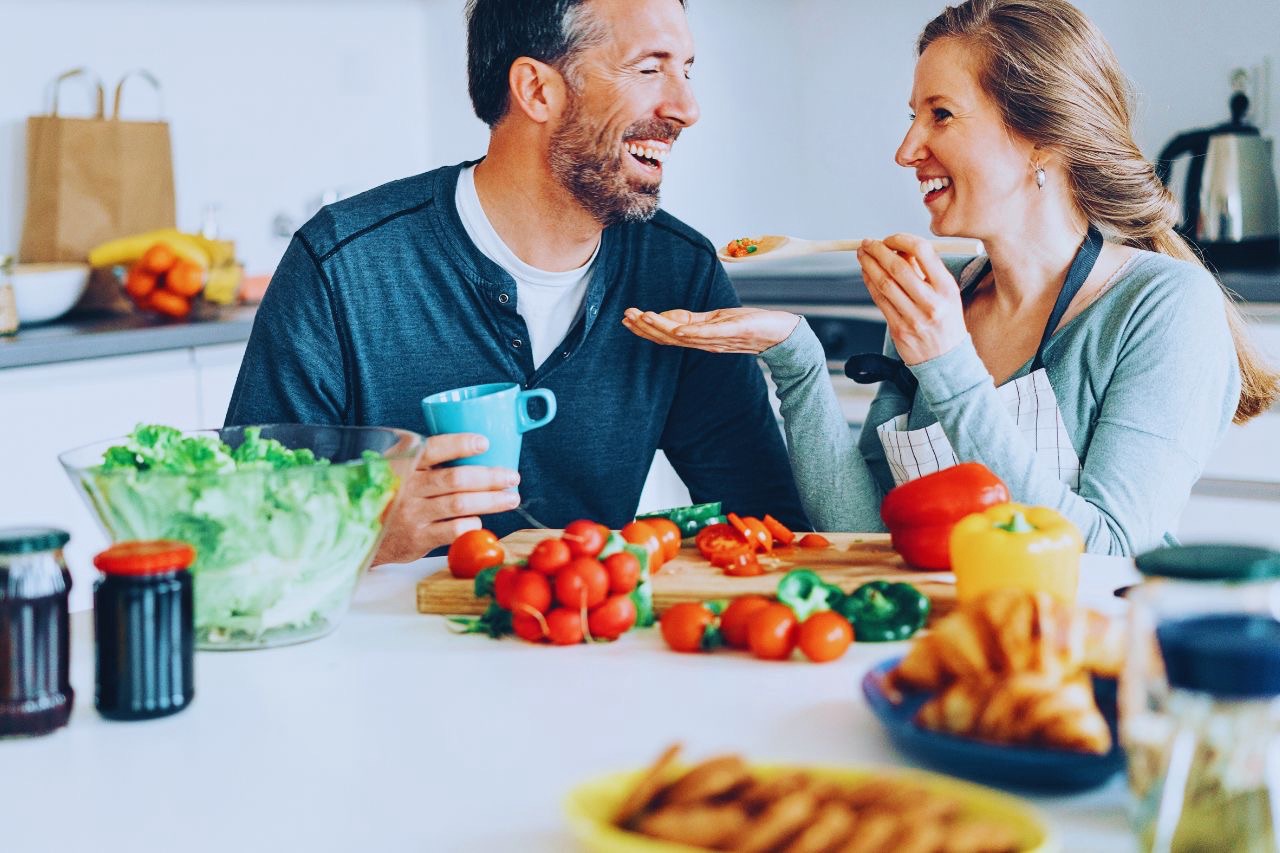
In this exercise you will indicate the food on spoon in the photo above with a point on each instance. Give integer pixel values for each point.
(742, 247)
(723, 803)
(1014, 667)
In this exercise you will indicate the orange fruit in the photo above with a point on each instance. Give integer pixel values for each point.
(185, 278)
(138, 282)
(158, 259)
(171, 304)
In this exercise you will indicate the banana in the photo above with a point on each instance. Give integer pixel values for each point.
(223, 283)
(126, 250)
(221, 252)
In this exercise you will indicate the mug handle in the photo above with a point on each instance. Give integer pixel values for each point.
(524, 423)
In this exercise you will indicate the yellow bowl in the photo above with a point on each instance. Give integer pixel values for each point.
(590, 808)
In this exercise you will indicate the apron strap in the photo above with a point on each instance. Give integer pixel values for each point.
(1081, 266)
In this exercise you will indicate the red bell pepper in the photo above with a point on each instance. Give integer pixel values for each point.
(921, 513)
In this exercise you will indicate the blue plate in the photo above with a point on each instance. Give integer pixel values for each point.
(1009, 766)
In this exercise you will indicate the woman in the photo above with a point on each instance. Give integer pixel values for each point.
(1093, 376)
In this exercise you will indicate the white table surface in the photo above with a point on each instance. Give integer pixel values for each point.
(394, 734)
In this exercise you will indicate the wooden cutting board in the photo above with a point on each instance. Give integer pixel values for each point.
(853, 559)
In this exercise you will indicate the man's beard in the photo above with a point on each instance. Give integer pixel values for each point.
(590, 167)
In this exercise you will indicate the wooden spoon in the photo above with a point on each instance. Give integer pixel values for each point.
(780, 246)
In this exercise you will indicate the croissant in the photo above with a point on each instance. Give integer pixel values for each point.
(1010, 631)
(1034, 709)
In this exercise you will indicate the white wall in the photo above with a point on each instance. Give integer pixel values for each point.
(803, 101)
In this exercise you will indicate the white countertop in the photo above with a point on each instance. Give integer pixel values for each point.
(393, 734)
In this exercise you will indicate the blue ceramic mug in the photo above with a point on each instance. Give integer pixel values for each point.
(499, 411)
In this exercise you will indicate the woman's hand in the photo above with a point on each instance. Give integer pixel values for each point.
(917, 294)
(749, 330)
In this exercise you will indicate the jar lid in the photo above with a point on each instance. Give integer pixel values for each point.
(1231, 655)
(150, 557)
(1211, 563)
(31, 540)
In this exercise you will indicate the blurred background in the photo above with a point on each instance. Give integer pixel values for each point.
(274, 103)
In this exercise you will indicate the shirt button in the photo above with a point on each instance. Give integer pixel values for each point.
(517, 343)
(564, 354)
(503, 298)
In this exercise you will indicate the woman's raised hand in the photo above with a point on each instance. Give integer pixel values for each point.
(749, 330)
(917, 294)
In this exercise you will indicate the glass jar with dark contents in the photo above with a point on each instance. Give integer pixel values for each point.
(144, 631)
(35, 636)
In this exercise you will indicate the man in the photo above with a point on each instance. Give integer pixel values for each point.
(519, 268)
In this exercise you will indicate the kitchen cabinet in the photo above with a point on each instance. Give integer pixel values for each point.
(52, 408)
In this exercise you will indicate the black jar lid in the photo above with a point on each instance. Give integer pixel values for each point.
(1231, 655)
(31, 540)
(1222, 563)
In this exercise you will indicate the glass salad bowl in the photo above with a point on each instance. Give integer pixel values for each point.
(284, 518)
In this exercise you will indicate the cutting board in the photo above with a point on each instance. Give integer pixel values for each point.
(853, 559)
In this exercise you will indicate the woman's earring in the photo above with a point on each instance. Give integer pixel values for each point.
(1040, 177)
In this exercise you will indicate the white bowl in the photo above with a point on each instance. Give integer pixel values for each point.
(46, 291)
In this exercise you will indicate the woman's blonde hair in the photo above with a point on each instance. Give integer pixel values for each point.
(1058, 85)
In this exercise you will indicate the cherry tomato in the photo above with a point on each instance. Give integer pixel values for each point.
(716, 537)
(473, 552)
(526, 626)
(824, 636)
(782, 535)
(530, 591)
(684, 625)
(564, 626)
(613, 618)
(734, 619)
(503, 582)
(550, 556)
(771, 632)
(584, 581)
(624, 572)
(814, 540)
(640, 533)
(668, 534)
(585, 538)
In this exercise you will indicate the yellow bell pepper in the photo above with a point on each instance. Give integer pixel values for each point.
(1013, 545)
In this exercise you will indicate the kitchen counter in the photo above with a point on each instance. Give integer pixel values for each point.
(98, 335)
(393, 734)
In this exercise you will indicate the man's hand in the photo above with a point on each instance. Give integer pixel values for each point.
(742, 330)
(437, 504)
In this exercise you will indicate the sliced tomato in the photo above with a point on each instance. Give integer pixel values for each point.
(718, 537)
(814, 540)
(738, 563)
(753, 531)
(782, 535)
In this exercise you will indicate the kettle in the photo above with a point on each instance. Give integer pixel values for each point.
(1229, 204)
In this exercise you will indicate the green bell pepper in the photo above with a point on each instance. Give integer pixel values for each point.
(805, 592)
(690, 519)
(883, 611)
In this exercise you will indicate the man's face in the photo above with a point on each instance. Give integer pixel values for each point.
(629, 99)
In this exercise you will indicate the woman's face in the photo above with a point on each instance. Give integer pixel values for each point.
(975, 174)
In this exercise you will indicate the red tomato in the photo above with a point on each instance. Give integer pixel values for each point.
(782, 534)
(526, 626)
(824, 636)
(814, 540)
(583, 581)
(530, 591)
(585, 538)
(473, 552)
(684, 625)
(624, 572)
(771, 632)
(717, 537)
(550, 556)
(564, 626)
(668, 534)
(613, 618)
(640, 533)
(741, 563)
(503, 582)
(736, 617)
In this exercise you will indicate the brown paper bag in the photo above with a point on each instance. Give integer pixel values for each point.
(90, 180)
